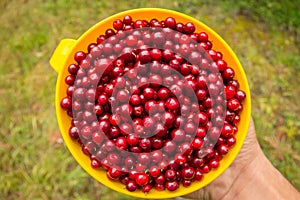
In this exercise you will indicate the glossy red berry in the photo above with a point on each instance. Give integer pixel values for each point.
(230, 91)
(170, 22)
(114, 173)
(66, 103)
(131, 186)
(172, 104)
(171, 185)
(188, 173)
(118, 24)
(233, 104)
(142, 179)
(223, 149)
(154, 171)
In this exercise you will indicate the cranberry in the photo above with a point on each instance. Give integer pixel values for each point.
(129, 162)
(145, 144)
(188, 173)
(160, 179)
(172, 185)
(240, 95)
(227, 130)
(79, 56)
(95, 163)
(114, 158)
(144, 56)
(156, 156)
(170, 22)
(73, 69)
(157, 143)
(189, 28)
(73, 132)
(186, 183)
(230, 141)
(132, 140)
(201, 132)
(172, 104)
(109, 32)
(97, 137)
(198, 175)
(159, 187)
(223, 149)
(212, 55)
(205, 169)
(180, 159)
(167, 55)
(228, 74)
(121, 143)
(146, 188)
(149, 93)
(233, 104)
(230, 91)
(169, 146)
(202, 37)
(177, 135)
(123, 96)
(66, 103)
(170, 175)
(214, 163)
(118, 24)
(197, 143)
(222, 65)
(142, 179)
(103, 99)
(154, 171)
(131, 186)
(114, 173)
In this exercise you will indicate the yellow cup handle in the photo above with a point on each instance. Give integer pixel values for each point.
(60, 53)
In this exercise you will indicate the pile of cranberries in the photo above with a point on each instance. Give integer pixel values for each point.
(153, 104)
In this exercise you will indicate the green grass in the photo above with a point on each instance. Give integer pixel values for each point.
(35, 164)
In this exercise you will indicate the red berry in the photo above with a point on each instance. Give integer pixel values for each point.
(223, 149)
(188, 173)
(118, 24)
(202, 37)
(180, 159)
(170, 175)
(230, 92)
(131, 186)
(172, 104)
(172, 185)
(142, 179)
(170, 22)
(228, 74)
(147, 188)
(79, 56)
(114, 173)
(198, 175)
(66, 103)
(214, 163)
(154, 171)
(240, 95)
(189, 28)
(233, 104)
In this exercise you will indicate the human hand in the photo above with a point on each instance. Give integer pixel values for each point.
(250, 176)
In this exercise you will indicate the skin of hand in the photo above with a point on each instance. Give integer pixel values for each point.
(250, 176)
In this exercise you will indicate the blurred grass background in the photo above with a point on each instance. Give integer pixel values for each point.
(34, 162)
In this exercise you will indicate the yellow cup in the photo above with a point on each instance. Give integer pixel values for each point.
(63, 56)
